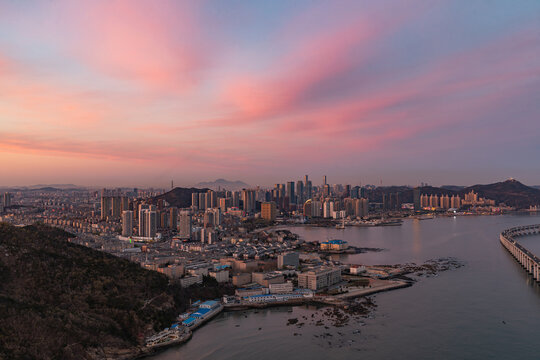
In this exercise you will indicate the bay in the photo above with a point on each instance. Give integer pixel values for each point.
(487, 309)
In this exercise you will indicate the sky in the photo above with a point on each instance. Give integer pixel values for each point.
(139, 93)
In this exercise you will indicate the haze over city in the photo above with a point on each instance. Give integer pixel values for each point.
(136, 93)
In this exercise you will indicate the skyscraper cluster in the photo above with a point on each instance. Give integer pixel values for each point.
(113, 204)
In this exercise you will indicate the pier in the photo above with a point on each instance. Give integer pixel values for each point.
(529, 261)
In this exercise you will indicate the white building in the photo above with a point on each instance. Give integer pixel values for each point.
(284, 288)
(320, 278)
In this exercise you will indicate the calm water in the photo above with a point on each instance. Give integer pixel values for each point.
(488, 309)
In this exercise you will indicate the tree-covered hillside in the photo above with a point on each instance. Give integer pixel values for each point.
(64, 301)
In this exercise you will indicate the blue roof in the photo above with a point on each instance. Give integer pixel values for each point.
(201, 312)
(189, 321)
(336, 242)
(174, 326)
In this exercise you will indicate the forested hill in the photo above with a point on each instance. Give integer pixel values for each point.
(64, 301)
(179, 197)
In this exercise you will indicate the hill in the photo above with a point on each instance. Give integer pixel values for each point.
(64, 301)
(179, 197)
(60, 300)
(511, 192)
(224, 185)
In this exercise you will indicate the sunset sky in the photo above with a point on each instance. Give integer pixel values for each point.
(137, 93)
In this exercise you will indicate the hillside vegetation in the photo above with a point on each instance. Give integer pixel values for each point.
(64, 301)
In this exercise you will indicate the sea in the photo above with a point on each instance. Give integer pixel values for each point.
(487, 309)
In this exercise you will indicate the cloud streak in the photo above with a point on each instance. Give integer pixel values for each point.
(347, 86)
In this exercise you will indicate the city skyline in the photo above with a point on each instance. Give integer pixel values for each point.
(122, 93)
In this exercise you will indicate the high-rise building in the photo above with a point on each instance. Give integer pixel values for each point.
(225, 203)
(416, 198)
(248, 197)
(445, 202)
(358, 209)
(6, 201)
(143, 208)
(365, 207)
(268, 211)
(124, 203)
(106, 205)
(184, 230)
(455, 202)
(162, 219)
(289, 193)
(434, 201)
(127, 223)
(202, 201)
(326, 189)
(299, 192)
(236, 199)
(195, 200)
(327, 209)
(308, 190)
(307, 208)
(151, 223)
(116, 207)
(173, 218)
(211, 199)
(324, 180)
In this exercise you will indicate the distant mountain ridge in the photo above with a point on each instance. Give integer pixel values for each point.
(511, 192)
(223, 184)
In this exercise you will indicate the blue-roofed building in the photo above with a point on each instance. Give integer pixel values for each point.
(189, 321)
(201, 312)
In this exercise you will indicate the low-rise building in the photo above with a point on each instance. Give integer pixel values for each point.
(283, 288)
(334, 245)
(250, 291)
(265, 279)
(190, 280)
(357, 269)
(241, 279)
(222, 275)
(320, 278)
(288, 259)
